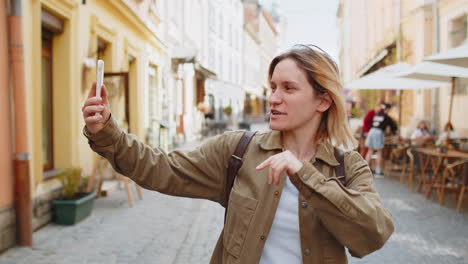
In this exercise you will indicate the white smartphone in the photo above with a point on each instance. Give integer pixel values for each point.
(99, 77)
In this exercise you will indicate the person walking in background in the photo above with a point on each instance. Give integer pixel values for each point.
(367, 125)
(292, 163)
(375, 139)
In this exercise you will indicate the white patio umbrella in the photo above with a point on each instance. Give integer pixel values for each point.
(439, 72)
(457, 56)
(387, 78)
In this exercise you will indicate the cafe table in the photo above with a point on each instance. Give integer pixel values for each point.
(436, 159)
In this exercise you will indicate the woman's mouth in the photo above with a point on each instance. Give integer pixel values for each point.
(276, 113)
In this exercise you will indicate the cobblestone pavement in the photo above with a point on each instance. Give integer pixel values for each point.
(164, 229)
(425, 232)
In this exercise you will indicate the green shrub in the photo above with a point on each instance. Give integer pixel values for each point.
(71, 181)
(227, 110)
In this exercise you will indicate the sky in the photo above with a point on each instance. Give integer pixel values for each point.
(310, 22)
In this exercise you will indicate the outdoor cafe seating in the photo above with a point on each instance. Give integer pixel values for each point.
(439, 169)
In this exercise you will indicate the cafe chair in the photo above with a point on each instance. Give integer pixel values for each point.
(408, 167)
(454, 179)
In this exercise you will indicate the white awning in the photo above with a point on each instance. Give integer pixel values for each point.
(457, 56)
(387, 78)
(184, 54)
(376, 59)
(437, 72)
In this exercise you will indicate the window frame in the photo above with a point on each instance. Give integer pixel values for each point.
(47, 36)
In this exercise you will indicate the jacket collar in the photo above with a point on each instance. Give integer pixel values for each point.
(325, 151)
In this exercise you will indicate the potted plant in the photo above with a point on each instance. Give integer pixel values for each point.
(75, 204)
(227, 110)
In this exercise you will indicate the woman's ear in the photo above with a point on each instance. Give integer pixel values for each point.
(325, 102)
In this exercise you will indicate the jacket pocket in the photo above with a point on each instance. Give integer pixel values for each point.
(332, 250)
(239, 216)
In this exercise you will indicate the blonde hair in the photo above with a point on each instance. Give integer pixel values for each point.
(323, 75)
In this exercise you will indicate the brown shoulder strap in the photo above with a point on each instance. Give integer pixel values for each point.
(235, 162)
(339, 170)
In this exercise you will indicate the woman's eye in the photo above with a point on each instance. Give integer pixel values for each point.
(289, 88)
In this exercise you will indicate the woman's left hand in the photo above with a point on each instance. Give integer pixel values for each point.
(284, 161)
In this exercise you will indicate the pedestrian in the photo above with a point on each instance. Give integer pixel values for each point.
(367, 125)
(375, 140)
(286, 204)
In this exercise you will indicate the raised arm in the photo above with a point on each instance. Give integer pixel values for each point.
(199, 173)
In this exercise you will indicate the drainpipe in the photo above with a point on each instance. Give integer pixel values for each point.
(435, 49)
(398, 55)
(21, 157)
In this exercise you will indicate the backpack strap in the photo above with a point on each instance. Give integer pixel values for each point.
(339, 170)
(235, 162)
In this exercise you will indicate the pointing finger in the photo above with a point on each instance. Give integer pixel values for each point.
(264, 164)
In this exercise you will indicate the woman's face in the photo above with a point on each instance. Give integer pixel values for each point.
(293, 103)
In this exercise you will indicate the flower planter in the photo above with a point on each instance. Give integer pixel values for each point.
(70, 212)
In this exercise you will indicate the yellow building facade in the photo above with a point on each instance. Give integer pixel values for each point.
(62, 41)
(378, 33)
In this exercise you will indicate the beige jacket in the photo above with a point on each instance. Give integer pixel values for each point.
(331, 216)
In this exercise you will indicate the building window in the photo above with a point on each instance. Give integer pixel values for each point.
(221, 25)
(220, 61)
(458, 31)
(152, 103)
(51, 26)
(230, 35)
(229, 70)
(236, 73)
(211, 18)
(236, 39)
(211, 56)
(46, 93)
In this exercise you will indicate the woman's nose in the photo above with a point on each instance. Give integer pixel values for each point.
(275, 98)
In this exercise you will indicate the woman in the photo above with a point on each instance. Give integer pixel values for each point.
(421, 136)
(447, 136)
(367, 125)
(376, 137)
(286, 206)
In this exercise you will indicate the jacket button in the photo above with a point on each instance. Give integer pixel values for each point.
(323, 181)
(306, 177)
(304, 204)
(276, 193)
(307, 252)
(262, 237)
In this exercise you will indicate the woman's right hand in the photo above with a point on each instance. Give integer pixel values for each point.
(95, 122)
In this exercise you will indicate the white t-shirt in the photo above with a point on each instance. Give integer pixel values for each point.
(443, 136)
(418, 132)
(283, 244)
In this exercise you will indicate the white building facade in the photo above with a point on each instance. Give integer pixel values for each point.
(224, 53)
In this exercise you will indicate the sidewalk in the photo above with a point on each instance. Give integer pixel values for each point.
(164, 229)
(424, 231)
